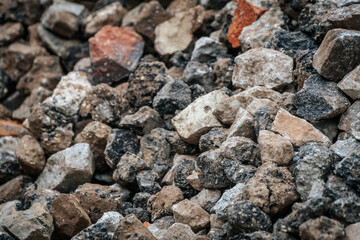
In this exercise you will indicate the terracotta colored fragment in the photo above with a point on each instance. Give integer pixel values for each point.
(10, 128)
(245, 14)
(115, 53)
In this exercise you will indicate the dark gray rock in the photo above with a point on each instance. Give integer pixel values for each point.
(196, 91)
(140, 213)
(140, 200)
(147, 181)
(181, 147)
(335, 188)
(350, 121)
(237, 172)
(199, 73)
(127, 168)
(346, 147)
(349, 169)
(9, 165)
(181, 171)
(207, 49)
(5, 84)
(322, 228)
(346, 209)
(213, 139)
(329, 127)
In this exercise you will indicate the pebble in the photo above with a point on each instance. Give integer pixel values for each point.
(350, 84)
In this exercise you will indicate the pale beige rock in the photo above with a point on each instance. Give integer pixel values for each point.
(197, 118)
(297, 130)
(191, 214)
(180, 5)
(207, 198)
(350, 120)
(350, 84)
(179, 231)
(258, 104)
(10, 32)
(275, 148)
(243, 125)
(194, 181)
(353, 231)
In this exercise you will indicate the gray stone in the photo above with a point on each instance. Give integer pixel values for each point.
(237, 172)
(147, 180)
(160, 226)
(243, 125)
(347, 209)
(346, 147)
(207, 49)
(349, 169)
(350, 84)
(199, 73)
(350, 120)
(227, 199)
(207, 198)
(127, 168)
(179, 231)
(9, 165)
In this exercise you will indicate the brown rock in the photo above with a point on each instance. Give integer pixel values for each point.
(322, 228)
(243, 125)
(69, 217)
(223, 70)
(9, 32)
(13, 189)
(271, 189)
(57, 140)
(30, 155)
(177, 6)
(275, 148)
(297, 130)
(34, 38)
(97, 199)
(160, 204)
(176, 33)
(131, 228)
(345, 17)
(95, 134)
(115, 53)
(350, 84)
(17, 11)
(179, 231)
(42, 196)
(191, 214)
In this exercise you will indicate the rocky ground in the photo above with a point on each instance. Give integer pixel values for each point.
(180, 119)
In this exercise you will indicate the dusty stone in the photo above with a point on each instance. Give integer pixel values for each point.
(207, 49)
(108, 66)
(119, 142)
(197, 118)
(192, 214)
(346, 209)
(350, 84)
(338, 54)
(34, 223)
(57, 140)
(297, 130)
(95, 134)
(131, 227)
(179, 231)
(262, 67)
(336, 188)
(206, 199)
(349, 121)
(112, 15)
(223, 71)
(199, 73)
(275, 148)
(64, 174)
(352, 231)
(9, 165)
(213, 139)
(10, 32)
(194, 181)
(159, 205)
(227, 199)
(243, 125)
(97, 199)
(147, 181)
(43, 196)
(258, 105)
(30, 155)
(176, 33)
(348, 168)
(13, 189)
(8, 208)
(127, 168)
(69, 217)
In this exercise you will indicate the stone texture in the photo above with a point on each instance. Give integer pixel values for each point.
(345, 17)
(182, 169)
(223, 71)
(160, 226)
(346, 209)
(352, 231)
(176, 33)
(262, 67)
(213, 139)
(322, 228)
(34, 223)
(127, 168)
(207, 198)
(207, 49)
(350, 84)
(30, 155)
(349, 169)
(227, 198)
(58, 139)
(113, 56)
(148, 181)
(192, 214)
(338, 54)
(297, 130)
(69, 217)
(131, 228)
(64, 174)
(349, 121)
(12, 190)
(243, 125)
(199, 73)
(10, 32)
(346, 147)
(9, 165)
(43, 196)
(197, 118)
(179, 231)
(275, 148)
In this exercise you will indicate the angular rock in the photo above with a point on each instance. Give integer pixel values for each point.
(192, 214)
(160, 226)
(130, 227)
(346, 209)
(10, 32)
(350, 84)
(179, 231)
(57, 140)
(9, 165)
(297, 130)
(69, 217)
(27, 14)
(262, 67)
(199, 73)
(179, 6)
(64, 174)
(207, 49)
(113, 56)
(346, 17)
(227, 199)
(206, 199)
(147, 181)
(182, 169)
(127, 168)
(322, 228)
(346, 147)
(336, 188)
(338, 54)
(44, 197)
(349, 168)
(179, 145)
(243, 125)
(197, 118)
(213, 139)
(236, 172)
(223, 71)
(13, 189)
(350, 121)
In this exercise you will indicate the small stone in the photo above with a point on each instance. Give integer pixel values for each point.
(8, 208)
(352, 231)
(175, 95)
(108, 66)
(30, 155)
(297, 130)
(207, 49)
(119, 142)
(197, 91)
(350, 84)
(199, 73)
(213, 139)
(64, 174)
(338, 54)
(243, 125)
(206, 199)
(13, 189)
(322, 228)
(127, 168)
(227, 199)
(179, 231)
(197, 118)
(9, 165)
(258, 105)
(313, 162)
(192, 214)
(262, 67)
(346, 209)
(57, 140)
(147, 180)
(275, 148)
(346, 147)
(109, 15)
(349, 121)
(237, 172)
(10, 32)
(97, 199)
(194, 181)
(349, 168)
(159, 205)
(43, 196)
(176, 33)
(223, 71)
(34, 223)
(69, 217)
(143, 121)
(130, 227)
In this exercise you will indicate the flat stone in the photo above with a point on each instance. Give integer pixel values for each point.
(131, 227)
(350, 84)
(10, 32)
(63, 173)
(297, 130)
(179, 230)
(338, 54)
(108, 65)
(349, 121)
(243, 125)
(197, 118)
(322, 228)
(262, 67)
(207, 49)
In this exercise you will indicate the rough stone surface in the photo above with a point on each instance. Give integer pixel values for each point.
(10, 32)
(199, 73)
(42, 196)
(227, 198)
(9, 165)
(58, 139)
(131, 228)
(322, 228)
(350, 121)
(147, 181)
(207, 198)
(262, 67)
(206, 49)
(223, 71)
(64, 174)
(213, 139)
(349, 169)
(243, 125)
(183, 168)
(346, 209)
(346, 147)
(179, 231)
(350, 84)
(160, 226)
(12, 190)
(237, 172)
(127, 168)
(352, 231)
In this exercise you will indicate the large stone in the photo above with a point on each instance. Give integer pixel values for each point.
(320, 99)
(262, 67)
(10, 32)
(130, 227)
(67, 169)
(297, 130)
(345, 17)
(322, 228)
(338, 54)
(350, 120)
(176, 33)
(197, 118)
(115, 53)
(350, 84)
